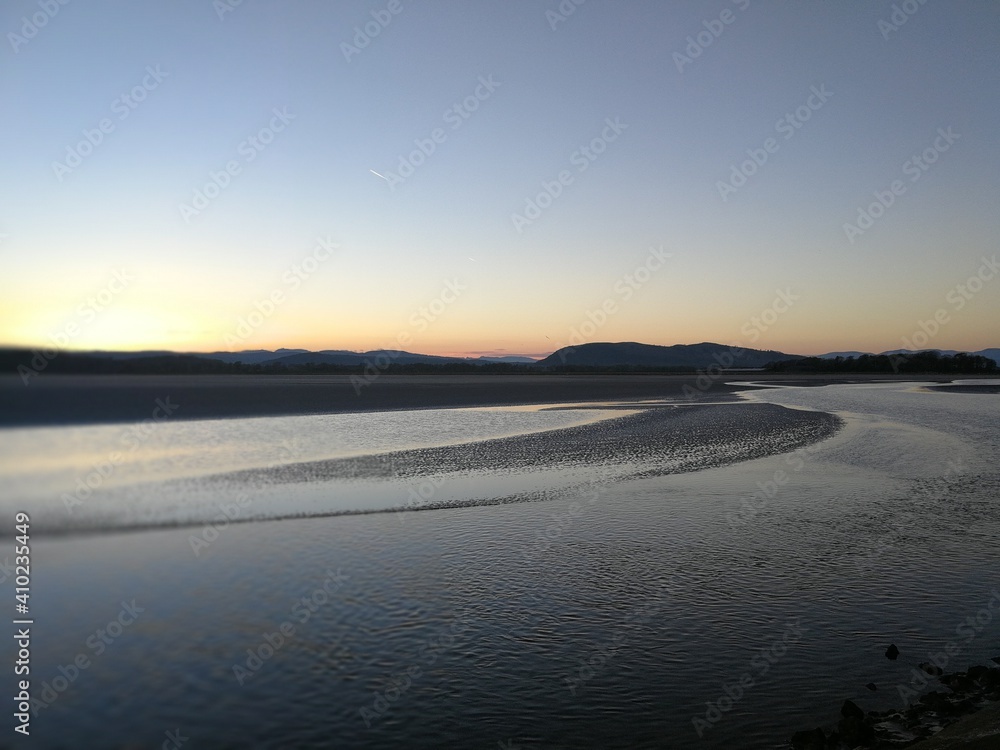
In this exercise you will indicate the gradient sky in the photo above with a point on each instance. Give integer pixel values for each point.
(186, 281)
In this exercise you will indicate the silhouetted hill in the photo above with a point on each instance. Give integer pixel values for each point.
(631, 354)
(834, 355)
(345, 358)
(993, 354)
(376, 356)
(252, 356)
(510, 359)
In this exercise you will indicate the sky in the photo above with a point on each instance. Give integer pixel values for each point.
(500, 176)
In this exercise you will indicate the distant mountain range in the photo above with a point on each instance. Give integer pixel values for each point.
(626, 354)
(595, 355)
(324, 357)
(603, 354)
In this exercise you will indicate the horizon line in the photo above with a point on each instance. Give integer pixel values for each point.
(464, 355)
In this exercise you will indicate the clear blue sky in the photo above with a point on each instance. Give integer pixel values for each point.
(442, 257)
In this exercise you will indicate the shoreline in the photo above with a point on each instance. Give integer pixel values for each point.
(978, 731)
(966, 717)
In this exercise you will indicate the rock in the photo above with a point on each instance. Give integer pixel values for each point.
(996, 659)
(977, 672)
(932, 669)
(994, 678)
(892, 652)
(963, 707)
(854, 731)
(872, 686)
(936, 702)
(923, 733)
(960, 683)
(850, 709)
(985, 676)
(814, 739)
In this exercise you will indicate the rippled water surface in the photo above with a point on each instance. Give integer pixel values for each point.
(598, 611)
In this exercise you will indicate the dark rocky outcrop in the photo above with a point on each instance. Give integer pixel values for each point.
(932, 669)
(966, 693)
(814, 739)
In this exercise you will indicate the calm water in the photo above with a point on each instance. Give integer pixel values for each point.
(610, 615)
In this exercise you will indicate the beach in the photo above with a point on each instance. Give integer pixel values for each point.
(981, 731)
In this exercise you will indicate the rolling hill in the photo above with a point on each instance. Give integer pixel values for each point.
(631, 354)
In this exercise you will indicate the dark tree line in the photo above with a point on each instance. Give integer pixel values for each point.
(912, 363)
